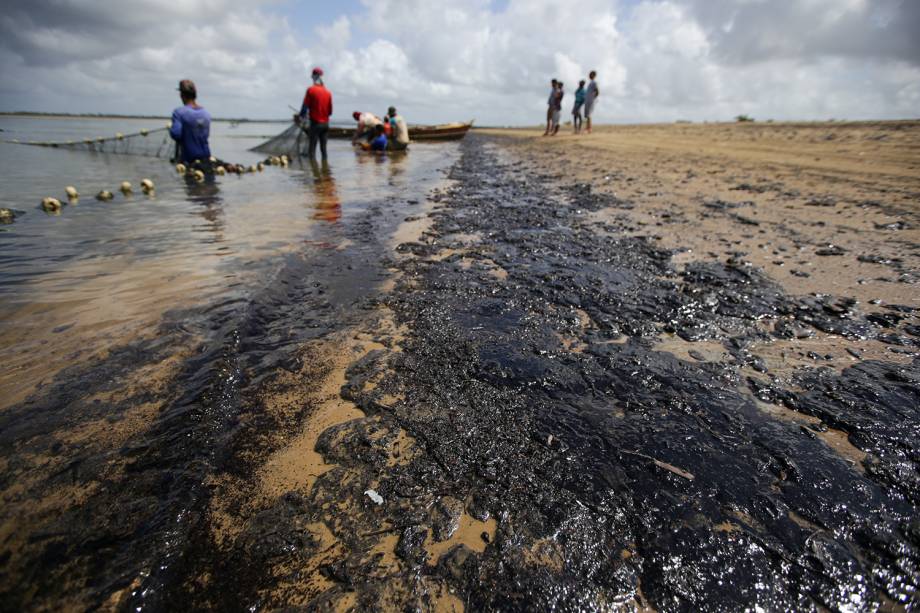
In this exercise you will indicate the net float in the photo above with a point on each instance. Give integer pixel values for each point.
(104, 195)
(147, 185)
(51, 205)
(71, 192)
(180, 168)
(125, 187)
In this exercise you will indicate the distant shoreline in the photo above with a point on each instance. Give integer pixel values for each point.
(109, 116)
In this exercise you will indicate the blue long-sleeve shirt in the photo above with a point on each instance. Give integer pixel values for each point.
(191, 128)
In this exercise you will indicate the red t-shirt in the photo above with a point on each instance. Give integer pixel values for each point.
(319, 100)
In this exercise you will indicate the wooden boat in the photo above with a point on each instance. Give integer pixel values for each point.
(442, 132)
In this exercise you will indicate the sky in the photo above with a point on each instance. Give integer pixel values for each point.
(488, 60)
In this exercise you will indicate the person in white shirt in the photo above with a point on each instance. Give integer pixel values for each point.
(591, 96)
(399, 131)
(367, 123)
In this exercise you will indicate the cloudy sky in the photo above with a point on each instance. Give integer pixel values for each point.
(657, 60)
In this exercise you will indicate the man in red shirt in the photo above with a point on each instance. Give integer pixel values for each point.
(318, 103)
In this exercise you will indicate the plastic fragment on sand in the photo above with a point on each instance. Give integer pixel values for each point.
(373, 495)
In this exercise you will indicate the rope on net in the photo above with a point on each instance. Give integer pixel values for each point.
(151, 143)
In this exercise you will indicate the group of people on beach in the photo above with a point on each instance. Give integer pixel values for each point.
(191, 123)
(585, 98)
(372, 133)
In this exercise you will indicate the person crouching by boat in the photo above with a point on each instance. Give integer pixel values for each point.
(367, 125)
(379, 143)
(399, 131)
(191, 125)
(387, 128)
(317, 103)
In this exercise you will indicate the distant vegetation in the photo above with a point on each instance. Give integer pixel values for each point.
(743, 118)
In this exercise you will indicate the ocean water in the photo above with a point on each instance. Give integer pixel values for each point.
(99, 273)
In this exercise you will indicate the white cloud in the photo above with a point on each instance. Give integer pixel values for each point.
(441, 61)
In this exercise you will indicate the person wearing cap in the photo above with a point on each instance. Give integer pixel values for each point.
(317, 102)
(367, 123)
(398, 130)
(191, 125)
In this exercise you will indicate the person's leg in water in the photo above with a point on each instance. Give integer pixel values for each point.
(314, 133)
(323, 137)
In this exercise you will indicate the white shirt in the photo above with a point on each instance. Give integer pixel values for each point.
(402, 130)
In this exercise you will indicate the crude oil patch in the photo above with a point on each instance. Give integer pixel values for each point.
(598, 400)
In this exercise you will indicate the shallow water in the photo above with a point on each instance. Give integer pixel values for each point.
(103, 272)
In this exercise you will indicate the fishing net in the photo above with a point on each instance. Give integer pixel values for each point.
(293, 142)
(152, 143)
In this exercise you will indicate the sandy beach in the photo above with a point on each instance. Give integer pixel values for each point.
(657, 368)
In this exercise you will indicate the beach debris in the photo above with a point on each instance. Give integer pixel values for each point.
(7, 216)
(125, 188)
(147, 186)
(660, 464)
(104, 195)
(51, 205)
(71, 192)
(180, 168)
(199, 175)
(373, 495)
(830, 249)
(220, 170)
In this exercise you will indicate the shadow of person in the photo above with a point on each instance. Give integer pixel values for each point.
(328, 205)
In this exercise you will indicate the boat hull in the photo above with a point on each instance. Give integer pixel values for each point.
(418, 133)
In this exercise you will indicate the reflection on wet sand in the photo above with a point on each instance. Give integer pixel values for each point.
(326, 198)
(207, 195)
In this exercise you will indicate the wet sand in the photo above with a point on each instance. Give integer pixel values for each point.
(580, 376)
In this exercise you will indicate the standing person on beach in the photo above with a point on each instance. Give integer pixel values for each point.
(367, 124)
(318, 103)
(549, 107)
(399, 131)
(591, 97)
(579, 102)
(191, 125)
(557, 107)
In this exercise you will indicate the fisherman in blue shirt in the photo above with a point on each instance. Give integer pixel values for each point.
(379, 143)
(191, 125)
